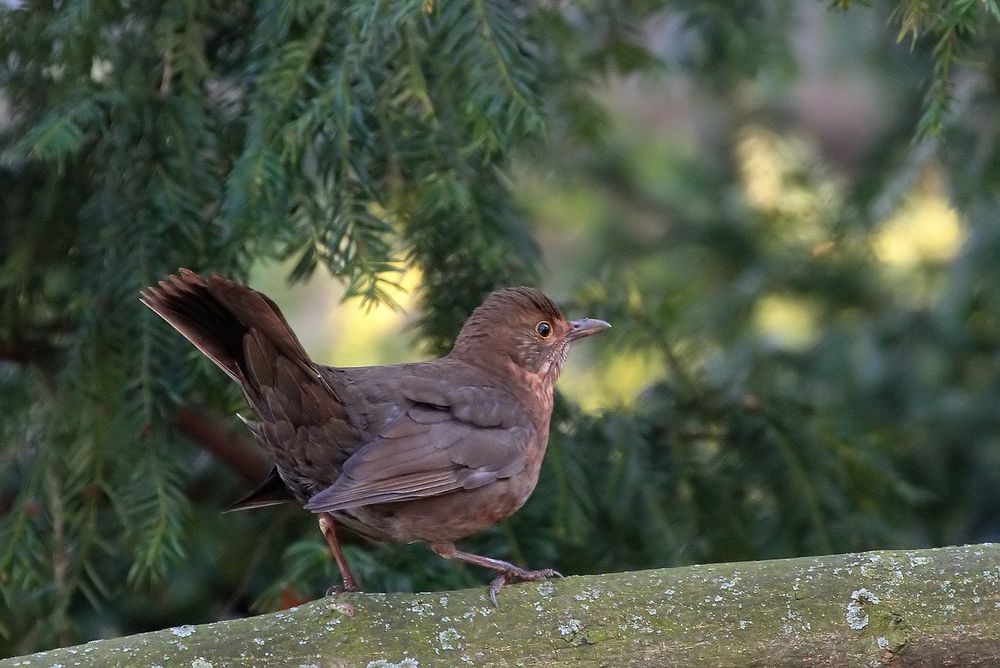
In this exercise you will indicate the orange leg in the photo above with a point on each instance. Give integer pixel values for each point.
(329, 528)
(508, 572)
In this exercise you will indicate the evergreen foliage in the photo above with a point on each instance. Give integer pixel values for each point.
(362, 137)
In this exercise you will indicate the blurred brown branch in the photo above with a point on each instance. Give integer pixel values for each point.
(226, 442)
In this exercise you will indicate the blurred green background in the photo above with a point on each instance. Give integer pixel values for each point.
(789, 211)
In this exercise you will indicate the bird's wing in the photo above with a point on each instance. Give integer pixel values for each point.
(448, 439)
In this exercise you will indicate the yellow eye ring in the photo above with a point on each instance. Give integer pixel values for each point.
(544, 329)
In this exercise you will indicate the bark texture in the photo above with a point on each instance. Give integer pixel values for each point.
(919, 607)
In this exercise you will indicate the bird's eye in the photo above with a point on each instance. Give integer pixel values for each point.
(544, 329)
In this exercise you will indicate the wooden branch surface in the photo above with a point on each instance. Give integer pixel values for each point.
(919, 607)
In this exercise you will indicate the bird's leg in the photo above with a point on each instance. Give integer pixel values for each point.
(508, 572)
(329, 528)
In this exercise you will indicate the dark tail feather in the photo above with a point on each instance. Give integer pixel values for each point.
(302, 419)
(185, 300)
(238, 328)
(271, 492)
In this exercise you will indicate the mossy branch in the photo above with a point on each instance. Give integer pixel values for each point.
(926, 607)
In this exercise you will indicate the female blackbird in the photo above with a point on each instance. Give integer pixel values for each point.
(432, 451)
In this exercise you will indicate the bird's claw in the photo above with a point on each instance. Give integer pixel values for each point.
(336, 590)
(519, 575)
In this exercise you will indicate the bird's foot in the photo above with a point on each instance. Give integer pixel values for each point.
(509, 572)
(517, 574)
(346, 586)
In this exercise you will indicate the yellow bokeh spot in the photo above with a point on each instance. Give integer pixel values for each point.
(610, 385)
(925, 228)
(360, 335)
(784, 178)
(761, 168)
(787, 322)
(339, 332)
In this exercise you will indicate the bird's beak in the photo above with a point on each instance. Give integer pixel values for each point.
(586, 327)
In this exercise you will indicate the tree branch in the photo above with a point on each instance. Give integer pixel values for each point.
(23, 351)
(230, 445)
(926, 607)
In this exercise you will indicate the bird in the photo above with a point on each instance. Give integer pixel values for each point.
(429, 452)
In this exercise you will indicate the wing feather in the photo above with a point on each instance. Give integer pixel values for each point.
(450, 439)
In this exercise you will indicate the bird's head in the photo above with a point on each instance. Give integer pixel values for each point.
(524, 326)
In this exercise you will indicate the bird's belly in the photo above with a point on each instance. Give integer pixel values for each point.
(449, 517)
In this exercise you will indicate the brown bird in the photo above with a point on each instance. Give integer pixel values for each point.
(432, 451)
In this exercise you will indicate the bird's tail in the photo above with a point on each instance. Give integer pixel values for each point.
(244, 333)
